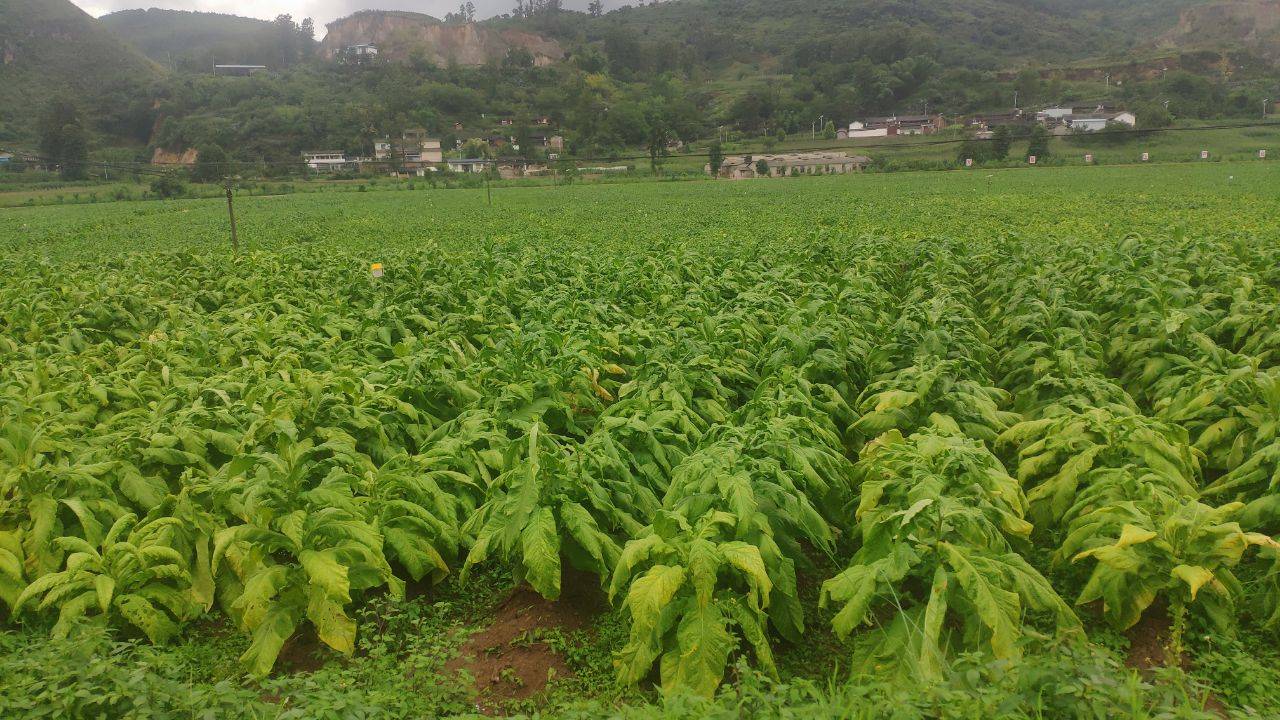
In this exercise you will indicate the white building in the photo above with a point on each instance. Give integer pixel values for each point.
(1094, 123)
(362, 51)
(858, 129)
(468, 165)
(1125, 118)
(740, 167)
(325, 160)
(1054, 113)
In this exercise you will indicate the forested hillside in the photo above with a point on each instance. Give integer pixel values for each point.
(194, 41)
(51, 47)
(629, 79)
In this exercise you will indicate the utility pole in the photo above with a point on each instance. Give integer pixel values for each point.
(231, 213)
(1015, 99)
(487, 190)
(1265, 102)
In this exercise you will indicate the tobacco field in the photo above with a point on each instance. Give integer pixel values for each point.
(920, 422)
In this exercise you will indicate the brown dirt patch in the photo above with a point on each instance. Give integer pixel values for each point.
(1148, 651)
(1148, 640)
(507, 659)
(302, 653)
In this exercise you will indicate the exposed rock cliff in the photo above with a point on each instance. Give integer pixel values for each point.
(1252, 24)
(399, 35)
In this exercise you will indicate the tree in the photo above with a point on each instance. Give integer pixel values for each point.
(467, 13)
(829, 131)
(715, 158)
(75, 152)
(1001, 140)
(62, 139)
(1153, 116)
(762, 168)
(167, 186)
(595, 8)
(527, 149)
(975, 150)
(518, 58)
(211, 164)
(1039, 145)
(1029, 86)
(475, 148)
(659, 136)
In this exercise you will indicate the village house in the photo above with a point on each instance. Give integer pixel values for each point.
(896, 125)
(325, 160)
(468, 165)
(6, 158)
(859, 129)
(513, 170)
(1096, 122)
(414, 152)
(543, 120)
(742, 167)
(1054, 114)
(365, 51)
(1065, 120)
(991, 121)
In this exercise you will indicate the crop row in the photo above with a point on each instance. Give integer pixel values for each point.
(986, 441)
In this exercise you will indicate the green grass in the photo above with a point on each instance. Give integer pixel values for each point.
(1093, 202)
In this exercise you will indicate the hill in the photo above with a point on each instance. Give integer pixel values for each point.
(635, 77)
(193, 40)
(983, 34)
(52, 47)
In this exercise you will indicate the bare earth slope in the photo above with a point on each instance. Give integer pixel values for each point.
(398, 35)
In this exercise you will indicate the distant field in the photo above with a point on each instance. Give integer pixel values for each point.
(1000, 443)
(1182, 145)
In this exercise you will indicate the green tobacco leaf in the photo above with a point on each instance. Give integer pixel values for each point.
(540, 542)
(703, 647)
(276, 627)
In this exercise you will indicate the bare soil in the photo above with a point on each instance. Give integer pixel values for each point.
(507, 659)
(1148, 640)
(302, 653)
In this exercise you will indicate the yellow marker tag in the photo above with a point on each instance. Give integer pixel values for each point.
(376, 270)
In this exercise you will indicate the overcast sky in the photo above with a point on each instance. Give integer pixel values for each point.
(322, 11)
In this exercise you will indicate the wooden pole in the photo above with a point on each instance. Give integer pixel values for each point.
(487, 190)
(231, 212)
